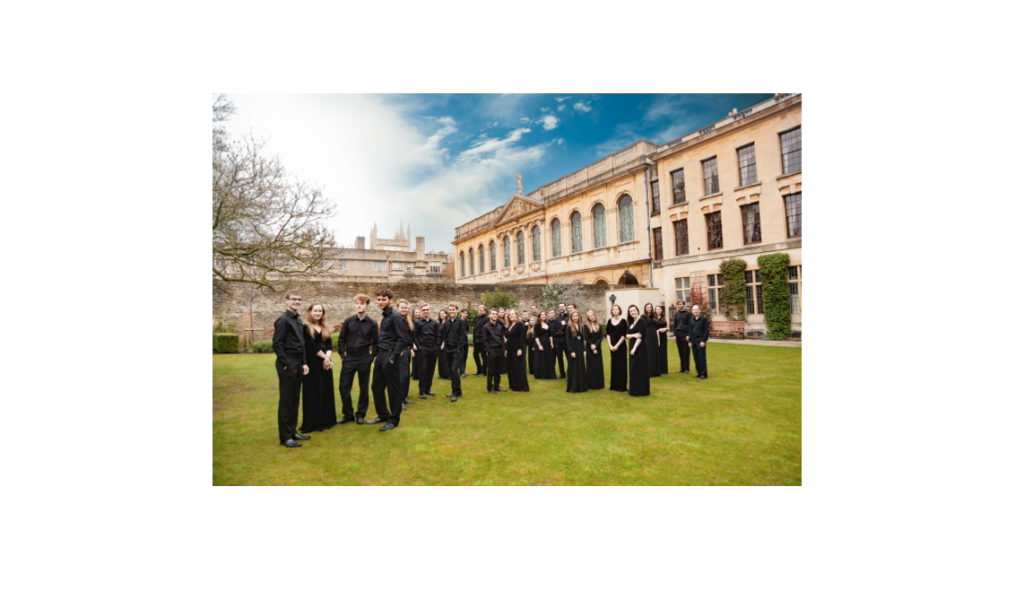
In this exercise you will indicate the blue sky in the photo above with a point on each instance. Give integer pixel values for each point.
(436, 161)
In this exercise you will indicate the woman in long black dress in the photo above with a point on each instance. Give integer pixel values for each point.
(444, 362)
(651, 341)
(639, 379)
(545, 349)
(531, 348)
(615, 333)
(592, 340)
(318, 412)
(659, 315)
(575, 374)
(516, 352)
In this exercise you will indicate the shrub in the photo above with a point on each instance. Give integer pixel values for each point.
(734, 294)
(334, 339)
(264, 346)
(775, 294)
(499, 299)
(226, 342)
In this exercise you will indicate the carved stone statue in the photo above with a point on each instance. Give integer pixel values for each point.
(519, 184)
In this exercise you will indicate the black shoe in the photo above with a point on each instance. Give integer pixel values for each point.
(300, 437)
(462, 375)
(703, 377)
(561, 377)
(343, 420)
(388, 426)
(431, 394)
(423, 396)
(374, 421)
(500, 390)
(403, 407)
(695, 376)
(408, 400)
(291, 443)
(679, 371)
(360, 420)
(490, 391)
(453, 397)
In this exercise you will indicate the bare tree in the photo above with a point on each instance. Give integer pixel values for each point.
(267, 226)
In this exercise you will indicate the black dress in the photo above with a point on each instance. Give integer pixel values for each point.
(545, 361)
(650, 341)
(575, 374)
(517, 363)
(662, 348)
(318, 412)
(639, 366)
(619, 357)
(531, 354)
(595, 365)
(444, 360)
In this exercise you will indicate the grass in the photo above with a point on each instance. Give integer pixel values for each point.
(739, 427)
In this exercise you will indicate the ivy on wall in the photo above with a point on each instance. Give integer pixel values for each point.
(775, 294)
(734, 294)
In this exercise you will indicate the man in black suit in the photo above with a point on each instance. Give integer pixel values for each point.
(425, 336)
(357, 340)
(560, 323)
(455, 343)
(394, 340)
(479, 347)
(290, 348)
(465, 352)
(698, 338)
(681, 330)
(494, 337)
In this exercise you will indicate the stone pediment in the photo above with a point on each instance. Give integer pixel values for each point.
(516, 207)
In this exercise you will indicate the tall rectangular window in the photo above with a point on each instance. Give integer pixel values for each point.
(751, 223)
(658, 255)
(678, 187)
(714, 292)
(714, 224)
(791, 160)
(710, 175)
(748, 166)
(753, 281)
(794, 227)
(683, 290)
(682, 237)
(795, 283)
(655, 199)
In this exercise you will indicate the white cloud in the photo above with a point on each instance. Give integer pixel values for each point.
(524, 119)
(550, 122)
(562, 98)
(582, 107)
(561, 107)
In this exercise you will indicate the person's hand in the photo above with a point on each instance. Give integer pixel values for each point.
(413, 354)
(305, 370)
(519, 353)
(327, 363)
(540, 347)
(573, 355)
(506, 353)
(702, 345)
(442, 346)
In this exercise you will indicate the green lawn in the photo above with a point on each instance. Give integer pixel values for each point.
(739, 427)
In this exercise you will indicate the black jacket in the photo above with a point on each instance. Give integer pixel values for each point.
(288, 340)
(698, 330)
(494, 336)
(558, 329)
(426, 335)
(394, 333)
(455, 336)
(681, 322)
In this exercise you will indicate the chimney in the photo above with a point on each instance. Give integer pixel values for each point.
(420, 247)
(360, 243)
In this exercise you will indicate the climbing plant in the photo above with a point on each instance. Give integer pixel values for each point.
(697, 297)
(734, 294)
(775, 294)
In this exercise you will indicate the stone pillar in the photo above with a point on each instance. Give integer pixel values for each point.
(360, 243)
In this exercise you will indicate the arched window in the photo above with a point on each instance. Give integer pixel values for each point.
(506, 253)
(600, 239)
(625, 219)
(494, 265)
(481, 258)
(520, 248)
(536, 243)
(472, 269)
(462, 263)
(556, 238)
(576, 222)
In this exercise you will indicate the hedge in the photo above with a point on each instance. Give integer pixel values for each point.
(775, 294)
(264, 346)
(225, 342)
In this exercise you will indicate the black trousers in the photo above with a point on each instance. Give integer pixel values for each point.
(352, 366)
(559, 352)
(480, 358)
(404, 372)
(462, 364)
(700, 359)
(493, 377)
(425, 361)
(684, 351)
(289, 384)
(457, 361)
(385, 376)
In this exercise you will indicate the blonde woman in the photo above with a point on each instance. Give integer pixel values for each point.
(516, 351)
(615, 334)
(542, 339)
(576, 347)
(592, 342)
(318, 411)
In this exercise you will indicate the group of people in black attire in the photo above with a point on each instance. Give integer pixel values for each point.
(403, 348)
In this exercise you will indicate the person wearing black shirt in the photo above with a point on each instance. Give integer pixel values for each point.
(414, 370)
(444, 361)
(455, 345)
(426, 338)
(479, 347)
(394, 341)
(558, 325)
(290, 348)
(494, 337)
(698, 339)
(681, 330)
(357, 340)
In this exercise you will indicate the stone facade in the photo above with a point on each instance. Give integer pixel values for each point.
(336, 297)
(389, 260)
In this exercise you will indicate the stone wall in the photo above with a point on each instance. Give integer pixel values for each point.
(336, 298)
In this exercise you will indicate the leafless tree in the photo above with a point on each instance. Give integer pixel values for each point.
(267, 226)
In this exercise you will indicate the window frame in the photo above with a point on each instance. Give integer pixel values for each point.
(679, 190)
(751, 166)
(655, 198)
(656, 240)
(599, 229)
(713, 178)
(556, 237)
(707, 223)
(520, 248)
(623, 223)
(576, 231)
(798, 166)
(685, 240)
(799, 195)
(535, 237)
(506, 248)
(750, 233)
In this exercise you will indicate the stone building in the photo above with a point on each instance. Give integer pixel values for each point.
(731, 190)
(386, 259)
